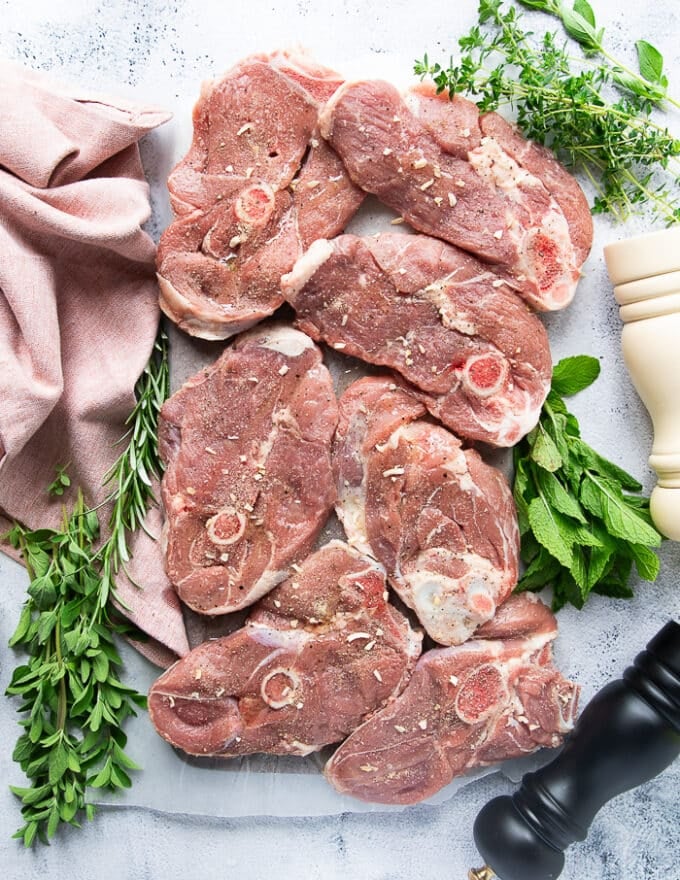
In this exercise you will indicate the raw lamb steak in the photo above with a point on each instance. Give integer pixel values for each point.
(496, 697)
(248, 482)
(437, 315)
(256, 188)
(469, 180)
(441, 521)
(317, 656)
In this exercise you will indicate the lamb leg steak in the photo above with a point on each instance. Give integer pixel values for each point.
(469, 180)
(248, 482)
(440, 520)
(479, 358)
(496, 697)
(256, 188)
(316, 657)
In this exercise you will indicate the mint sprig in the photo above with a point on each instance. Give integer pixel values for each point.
(583, 523)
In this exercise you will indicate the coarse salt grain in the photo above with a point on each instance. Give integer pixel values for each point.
(358, 635)
(393, 472)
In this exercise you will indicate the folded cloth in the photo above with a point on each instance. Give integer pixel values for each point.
(78, 314)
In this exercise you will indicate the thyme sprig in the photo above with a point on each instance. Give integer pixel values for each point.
(564, 102)
(73, 701)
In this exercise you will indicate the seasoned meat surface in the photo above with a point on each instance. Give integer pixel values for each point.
(248, 483)
(438, 316)
(316, 657)
(441, 521)
(498, 696)
(469, 180)
(256, 188)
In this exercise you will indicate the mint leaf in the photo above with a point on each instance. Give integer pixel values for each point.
(520, 490)
(548, 528)
(558, 497)
(581, 531)
(596, 462)
(579, 569)
(646, 562)
(544, 451)
(583, 8)
(651, 63)
(542, 571)
(602, 557)
(574, 374)
(614, 588)
(566, 590)
(604, 498)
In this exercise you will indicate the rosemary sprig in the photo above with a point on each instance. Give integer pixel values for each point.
(131, 474)
(562, 101)
(73, 701)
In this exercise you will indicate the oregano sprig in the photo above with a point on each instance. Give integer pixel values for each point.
(583, 523)
(73, 701)
(593, 111)
(579, 22)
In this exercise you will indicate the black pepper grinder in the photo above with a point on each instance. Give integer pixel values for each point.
(627, 734)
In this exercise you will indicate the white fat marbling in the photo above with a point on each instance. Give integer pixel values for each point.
(292, 343)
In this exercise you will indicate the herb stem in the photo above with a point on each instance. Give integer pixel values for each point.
(62, 710)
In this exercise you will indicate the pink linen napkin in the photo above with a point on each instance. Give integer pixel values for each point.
(78, 313)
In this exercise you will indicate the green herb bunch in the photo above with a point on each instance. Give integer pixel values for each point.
(592, 110)
(73, 701)
(583, 526)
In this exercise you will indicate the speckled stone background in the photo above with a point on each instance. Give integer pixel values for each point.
(159, 52)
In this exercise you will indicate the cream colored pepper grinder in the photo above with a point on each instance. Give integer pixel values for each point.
(646, 274)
